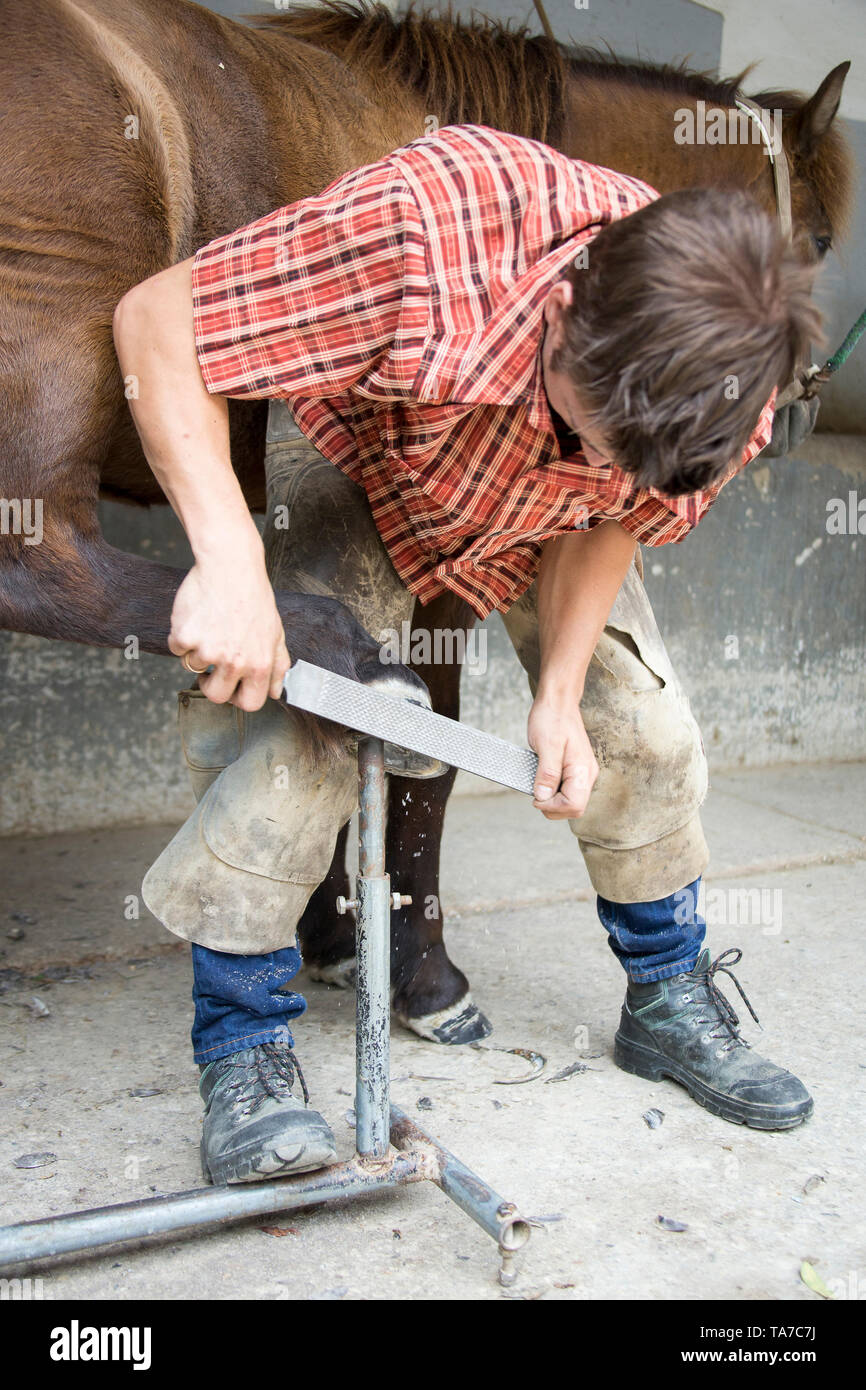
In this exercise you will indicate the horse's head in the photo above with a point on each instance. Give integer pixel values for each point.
(819, 161)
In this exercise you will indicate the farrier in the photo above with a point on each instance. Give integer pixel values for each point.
(520, 366)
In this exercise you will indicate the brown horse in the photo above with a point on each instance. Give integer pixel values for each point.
(131, 135)
(619, 114)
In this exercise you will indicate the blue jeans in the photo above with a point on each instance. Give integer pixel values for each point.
(653, 941)
(241, 1001)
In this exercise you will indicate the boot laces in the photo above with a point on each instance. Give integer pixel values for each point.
(272, 1074)
(726, 1021)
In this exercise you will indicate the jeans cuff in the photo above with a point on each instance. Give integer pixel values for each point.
(225, 1049)
(661, 972)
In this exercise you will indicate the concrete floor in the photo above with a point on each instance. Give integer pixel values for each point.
(96, 1070)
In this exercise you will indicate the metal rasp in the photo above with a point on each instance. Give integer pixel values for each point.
(401, 721)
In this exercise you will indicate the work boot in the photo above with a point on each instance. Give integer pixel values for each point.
(686, 1029)
(254, 1126)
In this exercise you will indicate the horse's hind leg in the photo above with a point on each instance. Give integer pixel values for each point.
(431, 995)
(327, 939)
(327, 541)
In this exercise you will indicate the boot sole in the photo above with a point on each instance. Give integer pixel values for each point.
(242, 1167)
(652, 1066)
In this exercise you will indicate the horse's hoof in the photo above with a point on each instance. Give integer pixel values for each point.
(462, 1022)
(342, 973)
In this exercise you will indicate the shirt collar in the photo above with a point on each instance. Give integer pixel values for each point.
(503, 364)
(538, 411)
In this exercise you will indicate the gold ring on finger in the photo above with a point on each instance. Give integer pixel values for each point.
(193, 670)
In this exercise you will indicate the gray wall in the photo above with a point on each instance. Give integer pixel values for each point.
(842, 297)
(653, 30)
(87, 738)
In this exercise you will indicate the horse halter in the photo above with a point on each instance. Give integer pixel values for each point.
(778, 163)
(805, 384)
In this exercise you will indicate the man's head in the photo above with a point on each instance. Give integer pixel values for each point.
(664, 349)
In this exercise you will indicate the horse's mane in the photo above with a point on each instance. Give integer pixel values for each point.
(475, 72)
(478, 70)
(482, 71)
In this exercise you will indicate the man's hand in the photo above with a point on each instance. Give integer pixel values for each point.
(567, 768)
(225, 616)
(578, 579)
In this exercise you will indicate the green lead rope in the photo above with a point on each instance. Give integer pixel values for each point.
(843, 352)
(806, 384)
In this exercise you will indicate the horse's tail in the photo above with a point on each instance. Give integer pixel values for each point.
(475, 72)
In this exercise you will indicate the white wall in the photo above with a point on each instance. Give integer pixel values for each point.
(795, 40)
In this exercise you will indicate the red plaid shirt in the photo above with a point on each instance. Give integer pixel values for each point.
(399, 314)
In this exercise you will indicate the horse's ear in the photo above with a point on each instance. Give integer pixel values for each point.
(815, 118)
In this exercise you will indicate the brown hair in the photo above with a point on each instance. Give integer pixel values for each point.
(686, 316)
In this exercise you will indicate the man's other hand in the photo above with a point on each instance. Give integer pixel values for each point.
(225, 616)
(567, 768)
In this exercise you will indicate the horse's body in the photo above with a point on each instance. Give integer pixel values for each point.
(130, 136)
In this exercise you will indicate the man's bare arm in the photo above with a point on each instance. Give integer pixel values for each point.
(224, 613)
(578, 580)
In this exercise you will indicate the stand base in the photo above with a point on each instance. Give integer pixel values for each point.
(415, 1157)
(377, 1168)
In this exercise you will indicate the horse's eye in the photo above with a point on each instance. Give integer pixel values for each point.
(823, 244)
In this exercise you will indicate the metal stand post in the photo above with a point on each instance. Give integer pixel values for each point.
(376, 1165)
(373, 953)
